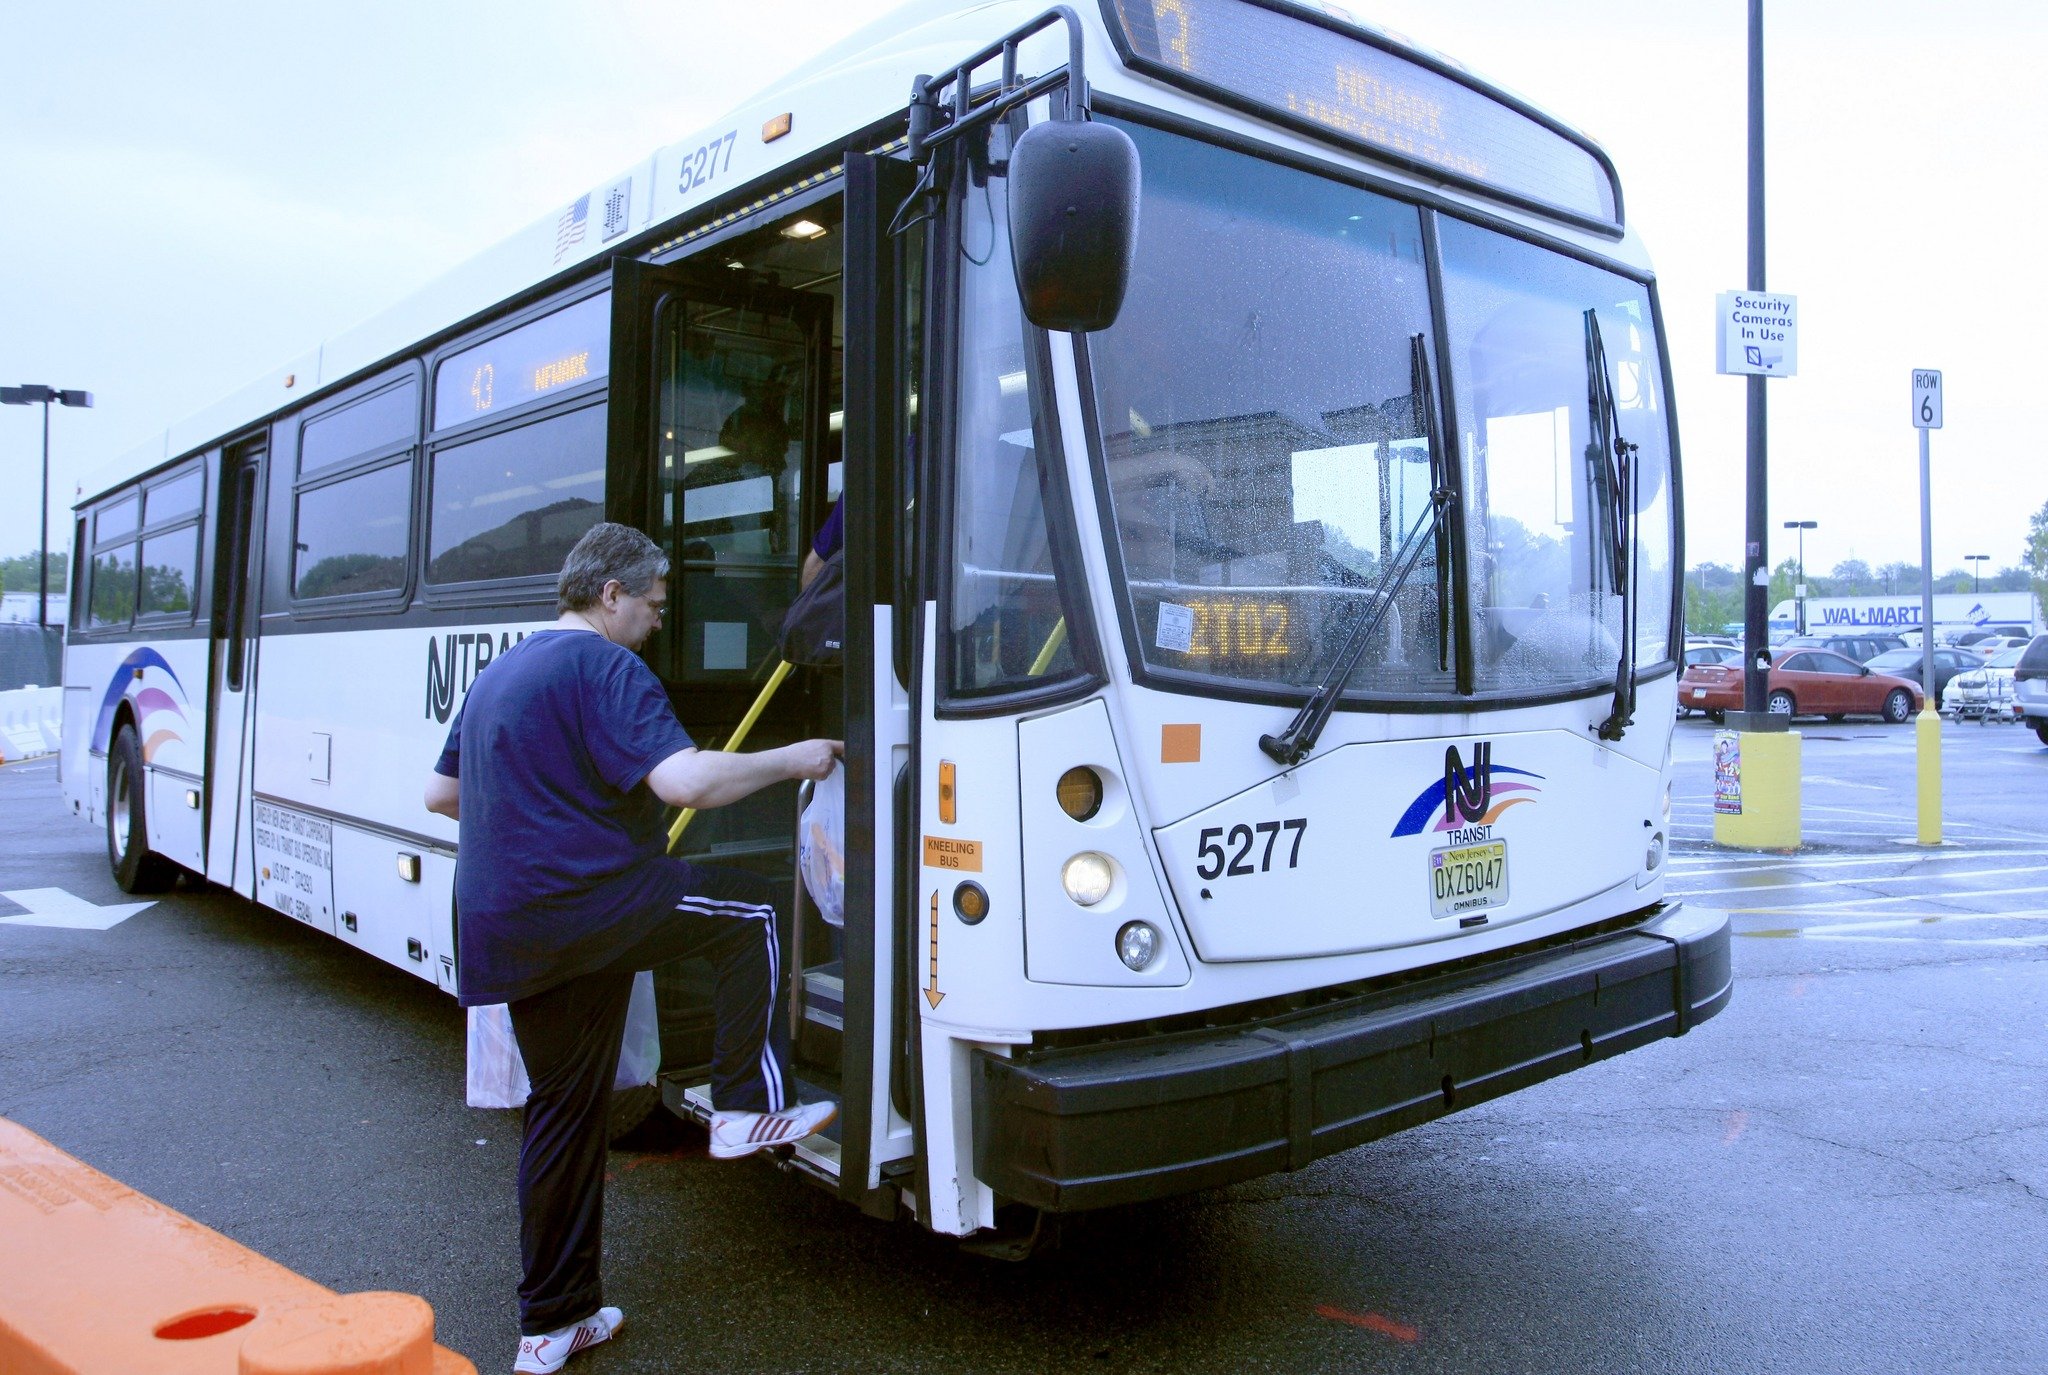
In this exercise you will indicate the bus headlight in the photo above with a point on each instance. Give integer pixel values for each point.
(1087, 877)
(1137, 944)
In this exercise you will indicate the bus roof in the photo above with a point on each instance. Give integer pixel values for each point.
(827, 98)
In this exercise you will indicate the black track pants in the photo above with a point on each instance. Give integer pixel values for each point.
(569, 1038)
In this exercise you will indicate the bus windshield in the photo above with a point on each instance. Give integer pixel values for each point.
(1266, 446)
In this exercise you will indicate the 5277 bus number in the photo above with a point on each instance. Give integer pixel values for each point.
(1239, 850)
(704, 164)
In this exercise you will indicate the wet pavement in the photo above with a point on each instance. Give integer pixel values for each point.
(1846, 1170)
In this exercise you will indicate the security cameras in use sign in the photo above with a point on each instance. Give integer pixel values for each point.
(1756, 333)
(1926, 399)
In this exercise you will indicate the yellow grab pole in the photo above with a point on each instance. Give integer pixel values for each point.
(1052, 647)
(738, 738)
(1927, 735)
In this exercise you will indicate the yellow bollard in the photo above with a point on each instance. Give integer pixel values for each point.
(1927, 737)
(1756, 789)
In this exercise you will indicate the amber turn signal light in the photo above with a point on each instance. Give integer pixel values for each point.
(1080, 792)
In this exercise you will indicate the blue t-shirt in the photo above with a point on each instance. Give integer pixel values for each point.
(563, 862)
(832, 534)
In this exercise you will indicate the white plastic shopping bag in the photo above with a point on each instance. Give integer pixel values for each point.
(640, 1052)
(821, 846)
(497, 1076)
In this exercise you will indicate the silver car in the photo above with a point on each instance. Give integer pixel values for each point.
(2030, 686)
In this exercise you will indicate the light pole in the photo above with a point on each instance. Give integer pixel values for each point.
(1802, 526)
(30, 395)
(1976, 573)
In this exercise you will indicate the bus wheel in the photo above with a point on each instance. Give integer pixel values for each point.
(136, 870)
(631, 1107)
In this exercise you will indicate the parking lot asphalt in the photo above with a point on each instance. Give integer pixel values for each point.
(1847, 1170)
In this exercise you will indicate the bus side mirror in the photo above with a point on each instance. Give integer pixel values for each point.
(1073, 222)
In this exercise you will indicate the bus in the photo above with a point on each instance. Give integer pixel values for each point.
(1261, 498)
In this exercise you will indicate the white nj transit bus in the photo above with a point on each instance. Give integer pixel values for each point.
(1261, 496)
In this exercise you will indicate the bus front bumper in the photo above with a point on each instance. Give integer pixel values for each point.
(1125, 1121)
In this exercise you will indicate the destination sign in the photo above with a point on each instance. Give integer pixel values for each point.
(1236, 633)
(552, 354)
(1305, 68)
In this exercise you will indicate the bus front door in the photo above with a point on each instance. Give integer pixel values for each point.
(757, 390)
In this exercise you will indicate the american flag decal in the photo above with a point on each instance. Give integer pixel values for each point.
(569, 229)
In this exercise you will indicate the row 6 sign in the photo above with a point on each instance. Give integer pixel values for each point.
(1926, 399)
(1756, 333)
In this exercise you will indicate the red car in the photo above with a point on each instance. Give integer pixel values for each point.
(1804, 682)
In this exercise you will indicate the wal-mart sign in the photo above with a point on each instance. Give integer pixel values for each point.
(1756, 333)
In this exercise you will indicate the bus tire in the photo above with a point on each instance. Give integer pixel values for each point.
(630, 1107)
(136, 870)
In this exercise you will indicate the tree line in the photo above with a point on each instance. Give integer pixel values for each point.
(18, 574)
(1713, 591)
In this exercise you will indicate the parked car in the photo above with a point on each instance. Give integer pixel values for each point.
(2030, 686)
(1985, 632)
(1861, 648)
(1992, 645)
(1712, 650)
(1985, 692)
(1905, 663)
(1806, 682)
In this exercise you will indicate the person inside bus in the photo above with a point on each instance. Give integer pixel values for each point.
(829, 540)
(559, 764)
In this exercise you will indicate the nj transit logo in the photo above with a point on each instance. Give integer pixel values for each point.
(1467, 796)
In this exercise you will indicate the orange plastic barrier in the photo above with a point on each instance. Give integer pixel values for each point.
(95, 1279)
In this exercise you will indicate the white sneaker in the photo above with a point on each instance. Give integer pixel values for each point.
(546, 1354)
(734, 1134)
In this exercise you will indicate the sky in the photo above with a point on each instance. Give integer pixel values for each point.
(194, 195)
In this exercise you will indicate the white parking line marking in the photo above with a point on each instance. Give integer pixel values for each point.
(55, 907)
(1868, 901)
(1846, 861)
(1933, 940)
(1893, 923)
(1808, 883)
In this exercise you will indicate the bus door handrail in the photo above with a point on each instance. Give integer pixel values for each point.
(733, 742)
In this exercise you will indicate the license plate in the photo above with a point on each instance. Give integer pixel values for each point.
(1698, 693)
(1468, 878)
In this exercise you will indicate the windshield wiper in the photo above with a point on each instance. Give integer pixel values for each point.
(1614, 457)
(1291, 746)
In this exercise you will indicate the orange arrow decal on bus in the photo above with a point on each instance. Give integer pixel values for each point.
(931, 992)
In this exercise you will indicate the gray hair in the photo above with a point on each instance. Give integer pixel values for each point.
(608, 552)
